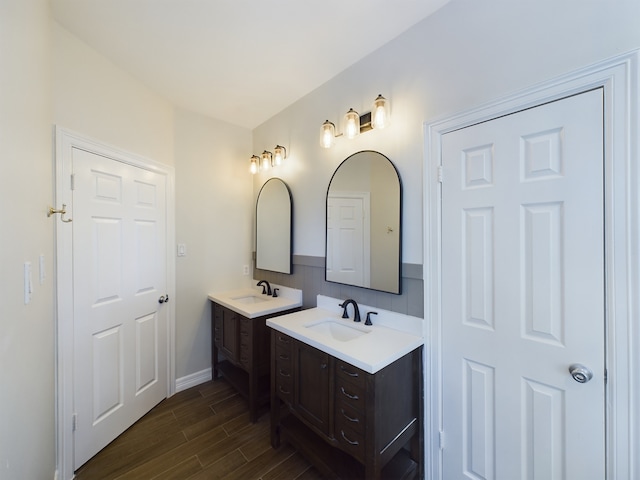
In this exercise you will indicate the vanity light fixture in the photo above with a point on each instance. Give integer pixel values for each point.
(355, 124)
(279, 154)
(261, 163)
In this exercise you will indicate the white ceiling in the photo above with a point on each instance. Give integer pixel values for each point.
(241, 61)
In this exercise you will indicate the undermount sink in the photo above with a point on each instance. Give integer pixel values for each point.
(336, 330)
(249, 299)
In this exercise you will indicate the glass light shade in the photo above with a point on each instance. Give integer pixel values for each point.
(327, 134)
(380, 115)
(253, 167)
(351, 124)
(279, 154)
(266, 160)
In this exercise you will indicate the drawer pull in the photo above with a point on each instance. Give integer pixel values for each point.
(351, 374)
(344, 414)
(282, 390)
(355, 443)
(283, 339)
(244, 334)
(323, 366)
(283, 357)
(352, 397)
(284, 374)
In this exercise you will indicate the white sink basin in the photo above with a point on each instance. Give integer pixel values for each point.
(249, 299)
(336, 330)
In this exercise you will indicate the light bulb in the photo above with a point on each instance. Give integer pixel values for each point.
(380, 113)
(352, 124)
(327, 134)
(253, 167)
(266, 160)
(279, 154)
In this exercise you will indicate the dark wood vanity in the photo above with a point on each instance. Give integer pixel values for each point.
(347, 422)
(244, 343)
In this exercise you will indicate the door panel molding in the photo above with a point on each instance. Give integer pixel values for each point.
(619, 79)
(65, 142)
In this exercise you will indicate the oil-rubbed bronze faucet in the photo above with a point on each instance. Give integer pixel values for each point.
(356, 310)
(265, 291)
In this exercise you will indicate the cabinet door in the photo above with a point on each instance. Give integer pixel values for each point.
(229, 345)
(312, 386)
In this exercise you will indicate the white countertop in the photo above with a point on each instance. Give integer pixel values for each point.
(378, 347)
(251, 303)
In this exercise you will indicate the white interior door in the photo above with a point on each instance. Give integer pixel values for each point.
(348, 244)
(523, 294)
(119, 274)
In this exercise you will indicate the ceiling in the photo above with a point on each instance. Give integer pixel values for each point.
(241, 61)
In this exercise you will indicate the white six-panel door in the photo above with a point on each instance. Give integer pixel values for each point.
(523, 294)
(119, 274)
(348, 243)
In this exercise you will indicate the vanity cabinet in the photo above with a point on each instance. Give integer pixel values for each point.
(245, 347)
(347, 422)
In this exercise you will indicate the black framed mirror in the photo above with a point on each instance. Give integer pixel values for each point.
(363, 223)
(274, 209)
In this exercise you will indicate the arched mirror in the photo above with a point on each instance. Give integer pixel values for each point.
(364, 208)
(273, 227)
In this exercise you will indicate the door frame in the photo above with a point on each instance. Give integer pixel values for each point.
(619, 77)
(65, 141)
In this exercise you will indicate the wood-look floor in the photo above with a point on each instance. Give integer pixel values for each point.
(200, 433)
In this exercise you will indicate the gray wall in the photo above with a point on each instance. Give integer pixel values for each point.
(308, 275)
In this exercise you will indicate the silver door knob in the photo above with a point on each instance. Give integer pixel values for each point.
(161, 299)
(580, 373)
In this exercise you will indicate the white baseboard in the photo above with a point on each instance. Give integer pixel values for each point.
(193, 379)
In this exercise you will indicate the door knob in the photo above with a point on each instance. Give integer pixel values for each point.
(580, 373)
(161, 299)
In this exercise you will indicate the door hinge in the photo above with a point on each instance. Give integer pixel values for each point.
(606, 376)
(73, 181)
(74, 422)
(440, 173)
(441, 440)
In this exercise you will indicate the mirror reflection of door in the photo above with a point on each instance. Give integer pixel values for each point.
(364, 201)
(273, 227)
(348, 247)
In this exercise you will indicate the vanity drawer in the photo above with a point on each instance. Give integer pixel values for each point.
(283, 356)
(351, 442)
(351, 394)
(284, 388)
(217, 331)
(346, 416)
(282, 340)
(348, 373)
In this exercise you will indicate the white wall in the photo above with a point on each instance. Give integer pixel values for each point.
(466, 54)
(213, 211)
(26, 331)
(98, 100)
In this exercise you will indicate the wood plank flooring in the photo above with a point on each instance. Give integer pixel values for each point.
(200, 433)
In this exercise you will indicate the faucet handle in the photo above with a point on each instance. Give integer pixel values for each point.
(368, 320)
(275, 292)
(344, 312)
